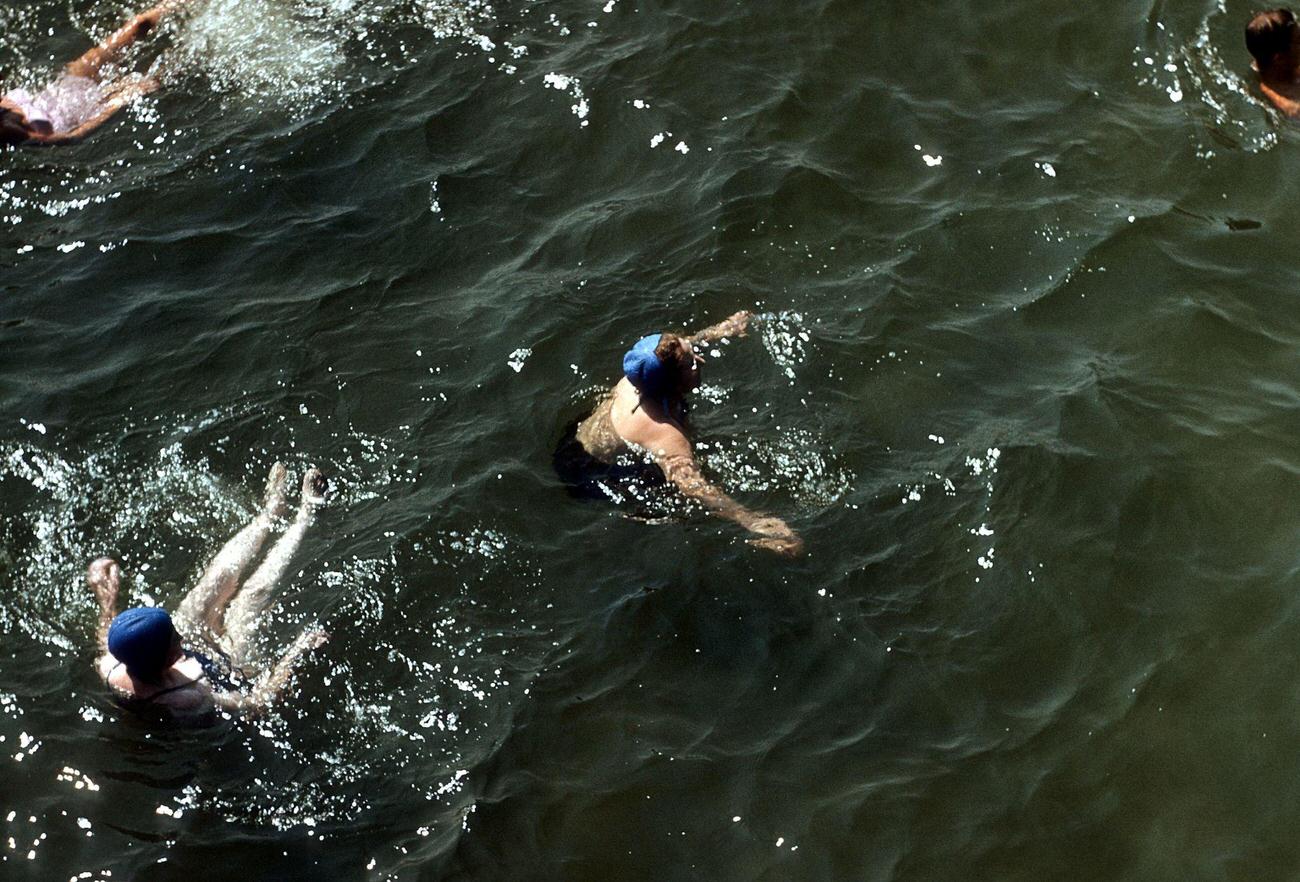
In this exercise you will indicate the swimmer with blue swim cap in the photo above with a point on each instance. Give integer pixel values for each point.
(142, 657)
(646, 410)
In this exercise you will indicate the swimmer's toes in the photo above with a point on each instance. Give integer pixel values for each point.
(314, 488)
(277, 481)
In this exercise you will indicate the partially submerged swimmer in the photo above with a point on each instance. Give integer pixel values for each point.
(1274, 40)
(142, 656)
(646, 410)
(79, 101)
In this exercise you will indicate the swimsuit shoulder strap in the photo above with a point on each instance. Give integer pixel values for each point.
(163, 692)
(176, 688)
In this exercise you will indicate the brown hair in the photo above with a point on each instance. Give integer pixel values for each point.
(12, 128)
(1268, 34)
(675, 355)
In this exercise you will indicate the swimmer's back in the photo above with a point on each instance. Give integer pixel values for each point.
(184, 694)
(625, 419)
(597, 434)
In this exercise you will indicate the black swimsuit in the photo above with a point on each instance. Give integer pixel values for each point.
(586, 477)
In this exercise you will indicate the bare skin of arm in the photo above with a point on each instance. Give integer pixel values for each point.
(672, 451)
(735, 325)
(89, 64)
(271, 684)
(104, 575)
(679, 465)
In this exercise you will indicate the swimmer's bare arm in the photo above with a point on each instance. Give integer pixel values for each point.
(735, 325)
(89, 64)
(674, 455)
(269, 686)
(1284, 103)
(104, 578)
(107, 604)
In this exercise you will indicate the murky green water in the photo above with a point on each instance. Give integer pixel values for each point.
(1024, 379)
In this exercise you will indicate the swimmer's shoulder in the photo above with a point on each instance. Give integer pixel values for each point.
(649, 429)
(194, 699)
(1282, 94)
(184, 693)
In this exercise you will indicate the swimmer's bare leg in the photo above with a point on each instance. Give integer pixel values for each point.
(255, 596)
(104, 577)
(109, 51)
(202, 607)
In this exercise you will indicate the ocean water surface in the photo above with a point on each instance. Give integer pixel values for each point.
(1023, 376)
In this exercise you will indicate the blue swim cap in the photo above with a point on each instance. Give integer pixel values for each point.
(643, 368)
(141, 639)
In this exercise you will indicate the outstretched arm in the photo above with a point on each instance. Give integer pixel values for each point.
(269, 686)
(772, 533)
(733, 326)
(110, 50)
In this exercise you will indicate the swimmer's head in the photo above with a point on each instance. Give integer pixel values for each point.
(1271, 34)
(679, 355)
(144, 640)
(13, 125)
(662, 365)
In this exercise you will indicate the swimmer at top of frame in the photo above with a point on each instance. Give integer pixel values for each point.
(646, 411)
(1274, 41)
(82, 98)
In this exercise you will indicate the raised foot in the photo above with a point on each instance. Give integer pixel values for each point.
(104, 577)
(314, 489)
(277, 483)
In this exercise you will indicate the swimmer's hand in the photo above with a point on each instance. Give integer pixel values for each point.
(783, 547)
(776, 536)
(151, 18)
(739, 323)
(104, 577)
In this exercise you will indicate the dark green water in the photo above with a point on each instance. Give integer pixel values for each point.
(1025, 381)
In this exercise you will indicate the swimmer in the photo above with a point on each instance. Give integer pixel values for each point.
(79, 101)
(1274, 40)
(646, 410)
(142, 657)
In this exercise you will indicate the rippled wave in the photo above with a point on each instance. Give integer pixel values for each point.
(1022, 376)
